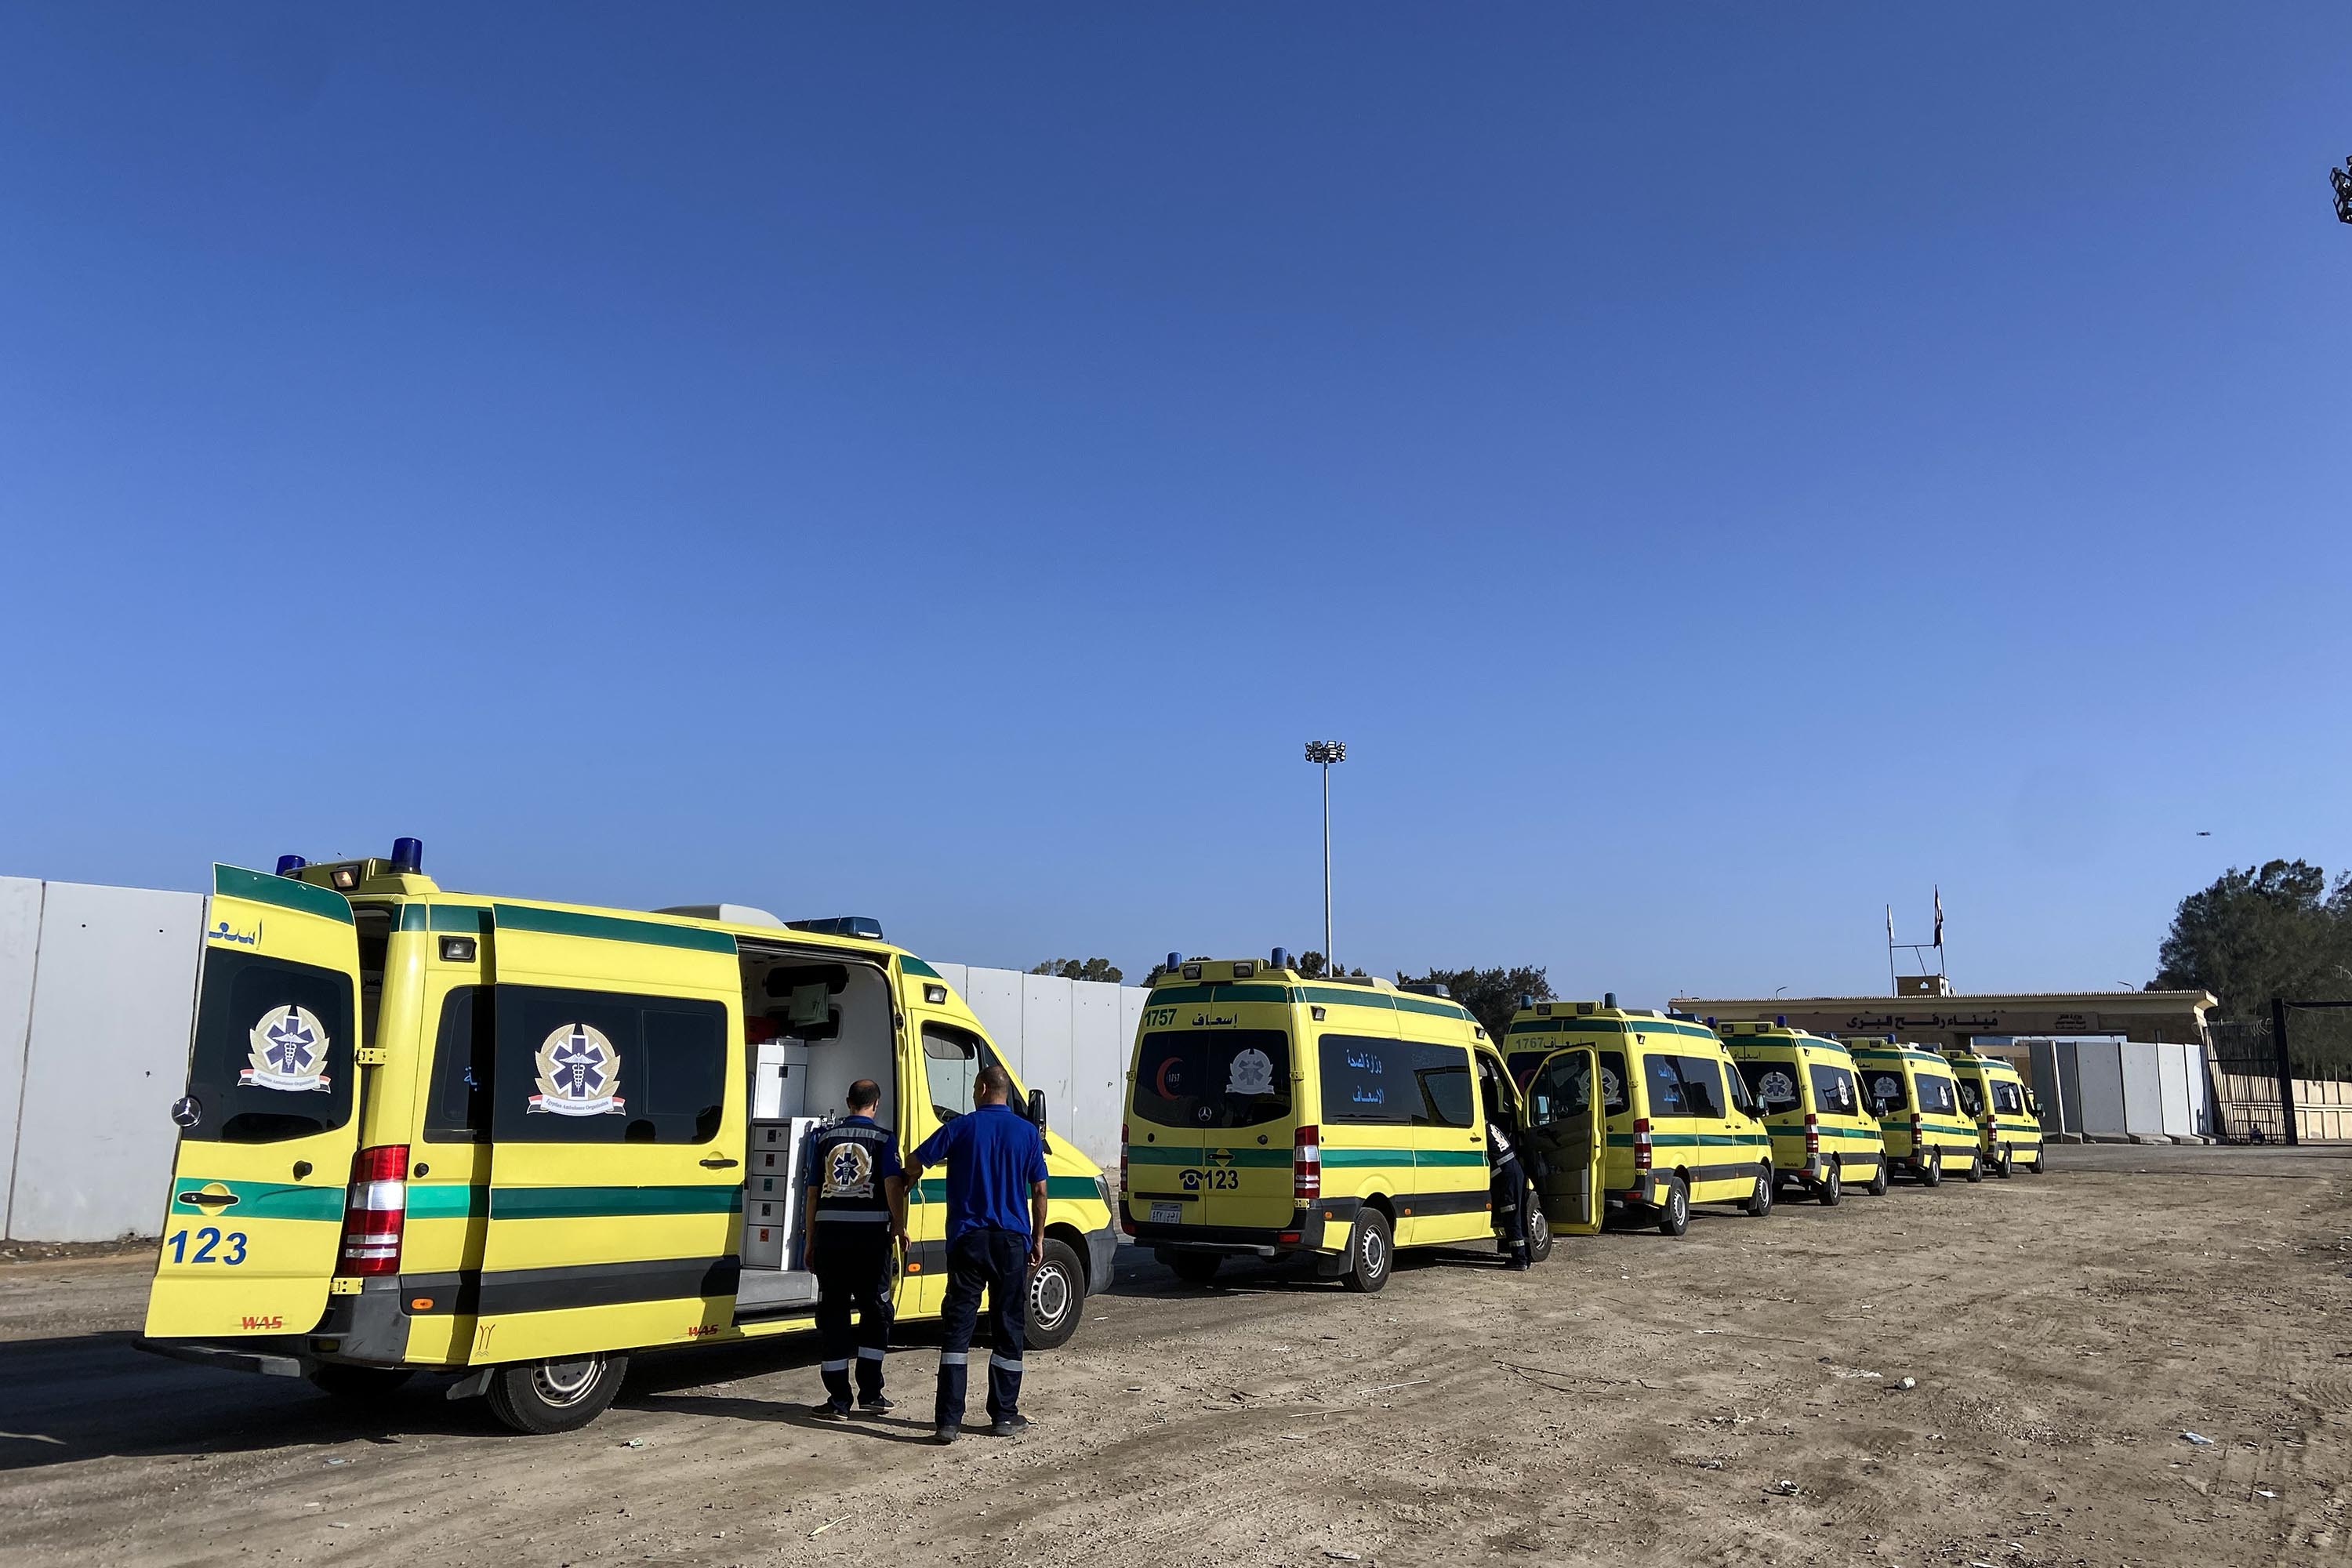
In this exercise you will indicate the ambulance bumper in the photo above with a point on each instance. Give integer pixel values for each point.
(1102, 1248)
(266, 1364)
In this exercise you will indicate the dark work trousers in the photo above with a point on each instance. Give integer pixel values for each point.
(853, 1265)
(1511, 1197)
(997, 1261)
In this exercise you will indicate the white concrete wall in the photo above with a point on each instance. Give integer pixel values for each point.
(97, 994)
(2173, 1086)
(2099, 1077)
(105, 1054)
(2143, 1089)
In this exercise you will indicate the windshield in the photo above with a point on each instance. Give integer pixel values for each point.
(1212, 1078)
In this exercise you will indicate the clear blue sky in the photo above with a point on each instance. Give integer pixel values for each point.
(1720, 469)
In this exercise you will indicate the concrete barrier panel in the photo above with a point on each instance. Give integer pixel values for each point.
(2069, 1088)
(2099, 1078)
(1046, 1039)
(1097, 1069)
(2142, 1089)
(20, 944)
(109, 1051)
(957, 975)
(995, 995)
(2042, 1058)
(2172, 1090)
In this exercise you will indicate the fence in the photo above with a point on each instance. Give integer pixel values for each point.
(97, 995)
(2246, 1082)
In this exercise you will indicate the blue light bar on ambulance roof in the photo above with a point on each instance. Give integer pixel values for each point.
(407, 857)
(863, 926)
(290, 865)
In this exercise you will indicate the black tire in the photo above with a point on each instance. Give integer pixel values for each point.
(544, 1396)
(1760, 1202)
(1832, 1192)
(358, 1385)
(1673, 1214)
(1371, 1253)
(1976, 1171)
(1057, 1296)
(1931, 1170)
(2041, 1160)
(1192, 1267)
(2006, 1165)
(1878, 1179)
(1539, 1236)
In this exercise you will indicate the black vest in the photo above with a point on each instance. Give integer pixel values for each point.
(847, 1158)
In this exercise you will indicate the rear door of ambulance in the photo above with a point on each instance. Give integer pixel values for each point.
(253, 1224)
(1563, 1139)
(1248, 1070)
(618, 1135)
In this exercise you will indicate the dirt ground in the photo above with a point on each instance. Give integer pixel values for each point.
(1731, 1397)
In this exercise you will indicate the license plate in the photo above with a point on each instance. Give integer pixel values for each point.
(1167, 1214)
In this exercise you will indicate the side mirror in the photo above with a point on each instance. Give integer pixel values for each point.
(1037, 1107)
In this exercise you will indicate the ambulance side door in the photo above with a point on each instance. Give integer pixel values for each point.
(1563, 1140)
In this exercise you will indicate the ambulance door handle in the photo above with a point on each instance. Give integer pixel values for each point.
(717, 1162)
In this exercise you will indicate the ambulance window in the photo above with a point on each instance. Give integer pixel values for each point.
(1971, 1098)
(1448, 1097)
(952, 1060)
(1935, 1094)
(1832, 1090)
(597, 1067)
(1524, 1065)
(1558, 1092)
(1216, 1078)
(1774, 1085)
(1702, 1086)
(1612, 1082)
(1741, 1097)
(1366, 1080)
(1667, 1097)
(465, 1054)
(271, 1057)
(2006, 1099)
(1886, 1094)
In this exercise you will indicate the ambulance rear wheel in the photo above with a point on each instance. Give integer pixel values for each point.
(1674, 1213)
(1538, 1235)
(544, 1396)
(1057, 1297)
(1877, 1188)
(359, 1384)
(1192, 1267)
(2005, 1164)
(1760, 1202)
(1369, 1252)
(1931, 1172)
(1832, 1188)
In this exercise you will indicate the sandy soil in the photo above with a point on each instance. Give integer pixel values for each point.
(1731, 1397)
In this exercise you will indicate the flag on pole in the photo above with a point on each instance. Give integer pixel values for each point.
(1939, 917)
(1890, 925)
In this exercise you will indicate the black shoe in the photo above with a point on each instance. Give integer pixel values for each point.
(831, 1410)
(943, 1436)
(1010, 1425)
(1518, 1266)
(877, 1404)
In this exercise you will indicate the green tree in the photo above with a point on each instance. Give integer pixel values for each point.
(1491, 995)
(1312, 964)
(1079, 969)
(2275, 930)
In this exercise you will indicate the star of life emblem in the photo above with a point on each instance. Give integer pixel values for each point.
(578, 1071)
(289, 1052)
(849, 1171)
(1777, 1087)
(1252, 1073)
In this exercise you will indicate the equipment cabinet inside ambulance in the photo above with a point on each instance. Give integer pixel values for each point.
(1824, 1137)
(1271, 1116)
(517, 1141)
(1993, 1095)
(1681, 1127)
(1917, 1104)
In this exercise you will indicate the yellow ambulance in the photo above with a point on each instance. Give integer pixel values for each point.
(1823, 1136)
(517, 1141)
(1993, 1095)
(1270, 1115)
(1918, 1103)
(1680, 1124)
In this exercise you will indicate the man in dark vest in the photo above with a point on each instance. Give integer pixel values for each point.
(856, 1211)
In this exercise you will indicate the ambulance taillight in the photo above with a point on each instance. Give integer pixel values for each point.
(1812, 1132)
(375, 1211)
(1126, 1213)
(1919, 1136)
(1307, 1164)
(1641, 1143)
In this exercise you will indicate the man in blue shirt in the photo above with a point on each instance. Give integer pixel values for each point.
(996, 1230)
(856, 1208)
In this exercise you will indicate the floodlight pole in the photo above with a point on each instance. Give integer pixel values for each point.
(1324, 753)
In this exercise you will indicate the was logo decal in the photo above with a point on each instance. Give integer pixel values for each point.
(289, 1052)
(578, 1071)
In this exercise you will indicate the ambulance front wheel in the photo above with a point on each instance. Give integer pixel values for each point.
(1673, 1211)
(1976, 1171)
(1877, 1188)
(1369, 1253)
(544, 1396)
(1832, 1188)
(1057, 1297)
